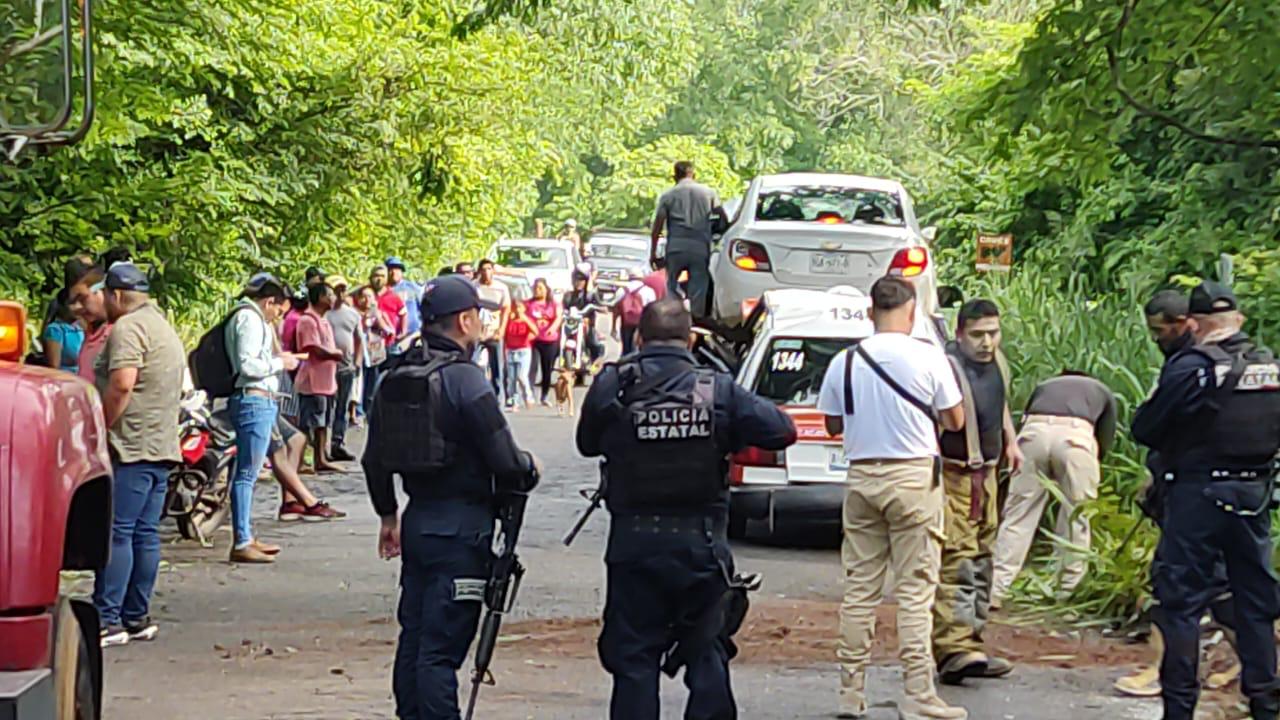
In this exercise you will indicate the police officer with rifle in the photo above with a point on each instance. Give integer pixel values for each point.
(1214, 418)
(665, 427)
(437, 424)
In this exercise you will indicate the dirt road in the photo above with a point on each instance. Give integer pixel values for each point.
(312, 636)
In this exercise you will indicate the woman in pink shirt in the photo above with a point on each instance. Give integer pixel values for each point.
(544, 311)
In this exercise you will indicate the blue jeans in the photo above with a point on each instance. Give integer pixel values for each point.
(495, 365)
(122, 590)
(519, 389)
(371, 376)
(253, 417)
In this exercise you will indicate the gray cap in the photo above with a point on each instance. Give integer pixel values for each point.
(127, 276)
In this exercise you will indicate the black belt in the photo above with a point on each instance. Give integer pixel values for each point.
(1263, 474)
(705, 525)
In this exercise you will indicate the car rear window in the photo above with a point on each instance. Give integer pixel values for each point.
(621, 252)
(517, 256)
(793, 369)
(828, 203)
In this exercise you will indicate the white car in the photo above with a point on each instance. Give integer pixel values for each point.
(535, 259)
(813, 230)
(615, 254)
(795, 334)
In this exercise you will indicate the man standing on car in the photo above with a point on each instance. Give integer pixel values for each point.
(139, 375)
(665, 427)
(685, 211)
(969, 462)
(886, 396)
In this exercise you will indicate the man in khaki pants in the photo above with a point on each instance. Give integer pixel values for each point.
(884, 396)
(1069, 424)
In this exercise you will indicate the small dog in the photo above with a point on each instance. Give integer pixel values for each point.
(565, 379)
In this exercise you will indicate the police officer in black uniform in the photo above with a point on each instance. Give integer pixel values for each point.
(1215, 420)
(665, 428)
(437, 424)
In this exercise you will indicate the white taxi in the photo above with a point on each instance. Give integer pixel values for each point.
(794, 335)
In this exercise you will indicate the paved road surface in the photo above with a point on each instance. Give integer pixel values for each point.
(312, 636)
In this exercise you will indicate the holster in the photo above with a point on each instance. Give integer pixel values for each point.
(721, 621)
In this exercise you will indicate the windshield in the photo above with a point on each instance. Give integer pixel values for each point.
(829, 203)
(793, 369)
(619, 252)
(523, 256)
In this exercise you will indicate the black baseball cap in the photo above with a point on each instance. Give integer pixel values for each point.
(127, 276)
(452, 294)
(1211, 297)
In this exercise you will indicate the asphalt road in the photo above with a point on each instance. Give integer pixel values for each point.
(312, 636)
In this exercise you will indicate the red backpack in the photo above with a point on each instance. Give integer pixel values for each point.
(631, 306)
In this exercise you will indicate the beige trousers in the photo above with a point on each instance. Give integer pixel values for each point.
(892, 520)
(1064, 451)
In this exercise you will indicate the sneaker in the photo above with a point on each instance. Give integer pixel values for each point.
(958, 666)
(251, 555)
(291, 511)
(1143, 683)
(142, 631)
(997, 667)
(321, 512)
(930, 707)
(852, 708)
(113, 636)
(340, 454)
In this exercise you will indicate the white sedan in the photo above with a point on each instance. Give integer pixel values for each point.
(813, 230)
(537, 259)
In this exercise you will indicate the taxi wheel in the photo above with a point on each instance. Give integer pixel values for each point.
(72, 667)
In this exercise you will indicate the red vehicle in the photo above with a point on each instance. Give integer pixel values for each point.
(55, 514)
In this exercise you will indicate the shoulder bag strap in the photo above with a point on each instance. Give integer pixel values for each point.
(848, 382)
(902, 392)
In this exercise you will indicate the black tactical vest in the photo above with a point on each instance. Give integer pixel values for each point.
(667, 458)
(405, 429)
(1244, 432)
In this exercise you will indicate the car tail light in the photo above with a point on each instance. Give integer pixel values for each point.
(753, 457)
(13, 331)
(749, 256)
(909, 262)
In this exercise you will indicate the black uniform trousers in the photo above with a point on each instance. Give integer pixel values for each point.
(1196, 533)
(438, 547)
(664, 579)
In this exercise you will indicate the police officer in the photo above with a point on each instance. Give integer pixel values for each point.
(437, 424)
(1215, 420)
(665, 428)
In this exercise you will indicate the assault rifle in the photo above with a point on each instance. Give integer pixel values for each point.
(499, 593)
(594, 498)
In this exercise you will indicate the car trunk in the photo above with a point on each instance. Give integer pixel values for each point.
(815, 457)
(806, 254)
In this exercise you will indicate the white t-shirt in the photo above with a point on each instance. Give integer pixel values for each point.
(884, 425)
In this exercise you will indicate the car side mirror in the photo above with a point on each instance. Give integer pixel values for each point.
(930, 234)
(950, 296)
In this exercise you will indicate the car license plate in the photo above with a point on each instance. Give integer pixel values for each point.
(829, 263)
(836, 460)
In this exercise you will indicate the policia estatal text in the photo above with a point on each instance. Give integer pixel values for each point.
(437, 424)
(665, 428)
(1214, 418)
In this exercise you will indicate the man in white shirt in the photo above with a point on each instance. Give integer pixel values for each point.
(893, 512)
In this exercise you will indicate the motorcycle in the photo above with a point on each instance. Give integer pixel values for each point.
(198, 497)
(573, 342)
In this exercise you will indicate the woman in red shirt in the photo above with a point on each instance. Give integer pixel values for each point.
(545, 313)
(518, 341)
